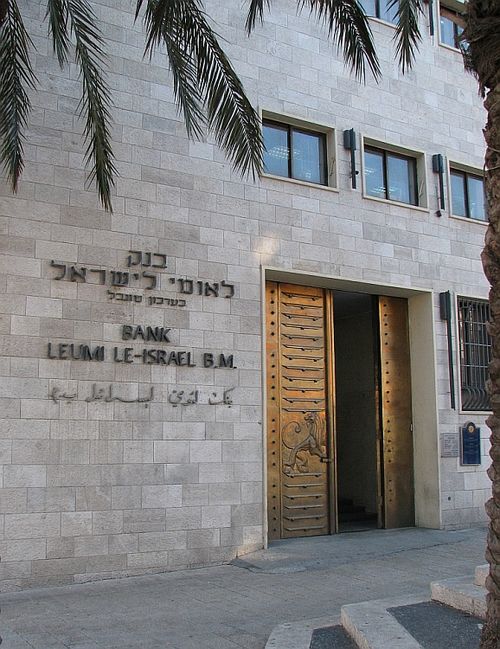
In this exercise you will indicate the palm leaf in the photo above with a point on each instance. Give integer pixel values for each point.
(96, 100)
(57, 12)
(407, 36)
(16, 76)
(348, 27)
(77, 17)
(255, 11)
(204, 80)
(182, 64)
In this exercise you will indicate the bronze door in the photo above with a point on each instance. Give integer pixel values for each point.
(396, 414)
(300, 419)
(301, 469)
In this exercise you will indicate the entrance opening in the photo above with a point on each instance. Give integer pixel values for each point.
(356, 378)
(339, 412)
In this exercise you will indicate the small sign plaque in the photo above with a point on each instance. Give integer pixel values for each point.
(471, 444)
(449, 445)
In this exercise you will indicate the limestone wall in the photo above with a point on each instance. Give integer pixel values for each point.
(107, 468)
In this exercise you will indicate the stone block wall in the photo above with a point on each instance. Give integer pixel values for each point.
(107, 469)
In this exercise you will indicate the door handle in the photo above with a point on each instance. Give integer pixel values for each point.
(327, 460)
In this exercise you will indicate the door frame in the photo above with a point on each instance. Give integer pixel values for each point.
(423, 380)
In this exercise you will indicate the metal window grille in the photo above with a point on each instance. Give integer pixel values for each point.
(475, 352)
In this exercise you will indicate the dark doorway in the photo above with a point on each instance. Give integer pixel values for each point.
(356, 354)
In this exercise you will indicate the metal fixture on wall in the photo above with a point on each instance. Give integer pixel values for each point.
(431, 17)
(438, 168)
(446, 314)
(350, 145)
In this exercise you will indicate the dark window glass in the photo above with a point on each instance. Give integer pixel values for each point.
(451, 27)
(475, 352)
(294, 153)
(276, 150)
(380, 9)
(374, 174)
(475, 193)
(388, 12)
(401, 179)
(391, 176)
(447, 31)
(369, 6)
(467, 195)
(458, 194)
(308, 157)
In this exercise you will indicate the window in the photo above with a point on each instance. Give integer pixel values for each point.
(467, 195)
(381, 9)
(294, 152)
(475, 352)
(390, 175)
(451, 26)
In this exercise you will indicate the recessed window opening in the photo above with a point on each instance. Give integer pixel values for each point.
(295, 152)
(383, 9)
(391, 176)
(467, 195)
(475, 352)
(451, 26)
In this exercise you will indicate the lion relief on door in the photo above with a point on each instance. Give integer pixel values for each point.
(303, 439)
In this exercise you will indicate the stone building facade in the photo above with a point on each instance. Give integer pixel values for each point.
(134, 391)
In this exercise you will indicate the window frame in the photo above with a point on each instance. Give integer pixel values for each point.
(420, 171)
(473, 345)
(328, 143)
(466, 171)
(454, 8)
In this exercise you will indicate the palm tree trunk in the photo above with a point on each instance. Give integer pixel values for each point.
(490, 638)
(483, 59)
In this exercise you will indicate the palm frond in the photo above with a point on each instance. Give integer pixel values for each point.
(255, 11)
(407, 36)
(96, 100)
(57, 12)
(16, 76)
(348, 27)
(205, 79)
(182, 63)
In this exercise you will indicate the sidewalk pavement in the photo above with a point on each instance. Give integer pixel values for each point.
(236, 606)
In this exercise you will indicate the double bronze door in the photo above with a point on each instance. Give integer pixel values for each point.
(301, 450)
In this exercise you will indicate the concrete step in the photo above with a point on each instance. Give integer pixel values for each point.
(297, 635)
(480, 574)
(461, 594)
(393, 623)
(371, 626)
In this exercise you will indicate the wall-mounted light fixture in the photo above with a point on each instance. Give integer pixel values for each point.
(350, 145)
(431, 17)
(438, 168)
(446, 314)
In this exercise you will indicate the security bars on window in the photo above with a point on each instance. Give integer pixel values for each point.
(475, 352)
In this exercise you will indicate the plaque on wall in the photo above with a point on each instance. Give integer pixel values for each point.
(449, 445)
(470, 446)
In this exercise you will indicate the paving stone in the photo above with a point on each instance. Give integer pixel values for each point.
(237, 604)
